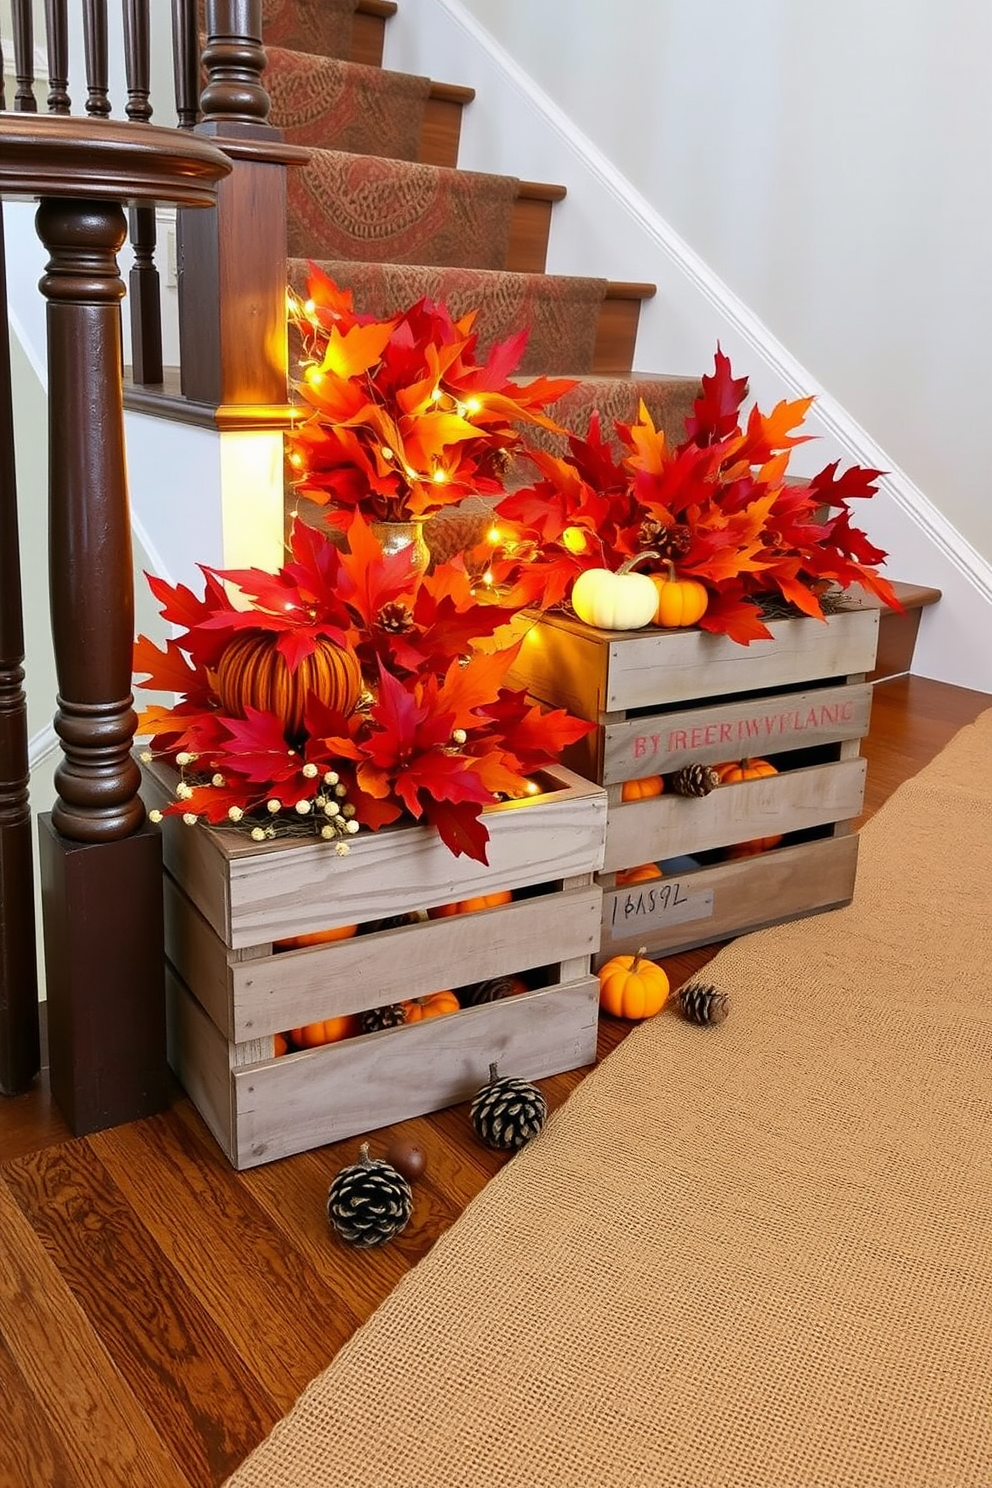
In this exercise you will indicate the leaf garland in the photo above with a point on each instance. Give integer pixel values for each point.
(402, 419)
(745, 530)
(439, 738)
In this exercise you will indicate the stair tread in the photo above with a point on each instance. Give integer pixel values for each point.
(915, 596)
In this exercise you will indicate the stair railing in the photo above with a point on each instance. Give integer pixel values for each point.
(100, 861)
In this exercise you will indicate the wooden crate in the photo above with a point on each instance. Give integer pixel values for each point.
(665, 699)
(227, 901)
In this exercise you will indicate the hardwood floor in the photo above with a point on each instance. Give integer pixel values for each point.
(159, 1312)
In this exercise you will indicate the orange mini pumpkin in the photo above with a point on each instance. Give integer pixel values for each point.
(280, 1045)
(315, 937)
(681, 602)
(641, 874)
(643, 789)
(253, 672)
(468, 906)
(631, 987)
(328, 1031)
(434, 1006)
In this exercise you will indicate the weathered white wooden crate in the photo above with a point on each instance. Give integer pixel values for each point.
(663, 699)
(227, 900)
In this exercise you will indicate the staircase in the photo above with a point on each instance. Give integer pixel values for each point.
(384, 209)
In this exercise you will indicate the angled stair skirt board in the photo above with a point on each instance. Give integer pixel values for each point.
(750, 1254)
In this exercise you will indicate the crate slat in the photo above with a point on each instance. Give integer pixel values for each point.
(713, 904)
(669, 826)
(305, 1100)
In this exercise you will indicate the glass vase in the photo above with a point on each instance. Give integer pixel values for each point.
(393, 537)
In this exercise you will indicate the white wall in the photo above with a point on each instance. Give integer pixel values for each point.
(830, 163)
(807, 185)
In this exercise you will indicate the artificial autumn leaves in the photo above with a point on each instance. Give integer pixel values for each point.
(717, 508)
(440, 736)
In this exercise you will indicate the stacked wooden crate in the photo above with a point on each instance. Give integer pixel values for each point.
(229, 902)
(664, 700)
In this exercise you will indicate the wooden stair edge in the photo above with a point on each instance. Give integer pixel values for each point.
(898, 630)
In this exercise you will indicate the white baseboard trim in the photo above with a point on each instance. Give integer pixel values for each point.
(41, 745)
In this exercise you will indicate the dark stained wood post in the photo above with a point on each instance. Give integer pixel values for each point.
(101, 867)
(95, 46)
(186, 61)
(20, 1057)
(223, 289)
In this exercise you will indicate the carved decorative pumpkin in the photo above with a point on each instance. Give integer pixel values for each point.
(643, 789)
(434, 1006)
(252, 673)
(468, 906)
(616, 601)
(731, 774)
(630, 987)
(329, 1031)
(643, 873)
(680, 601)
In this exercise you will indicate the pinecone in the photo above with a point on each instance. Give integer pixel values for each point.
(373, 1019)
(369, 1202)
(673, 542)
(493, 989)
(648, 533)
(695, 780)
(701, 1003)
(396, 618)
(507, 1112)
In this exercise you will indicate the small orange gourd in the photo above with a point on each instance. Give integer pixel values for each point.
(434, 1006)
(253, 672)
(631, 987)
(643, 789)
(643, 873)
(681, 602)
(315, 937)
(328, 1031)
(468, 906)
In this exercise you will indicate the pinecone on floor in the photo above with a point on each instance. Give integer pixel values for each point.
(508, 1112)
(702, 1003)
(695, 780)
(373, 1019)
(369, 1202)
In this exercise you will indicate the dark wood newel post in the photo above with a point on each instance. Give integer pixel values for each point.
(101, 874)
(101, 862)
(92, 602)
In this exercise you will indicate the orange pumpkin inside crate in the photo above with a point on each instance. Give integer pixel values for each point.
(731, 774)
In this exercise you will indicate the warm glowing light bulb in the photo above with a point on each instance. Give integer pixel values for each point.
(314, 376)
(439, 477)
(493, 536)
(533, 789)
(473, 405)
(487, 577)
(386, 452)
(309, 307)
(574, 539)
(296, 459)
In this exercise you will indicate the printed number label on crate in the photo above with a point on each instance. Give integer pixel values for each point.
(654, 906)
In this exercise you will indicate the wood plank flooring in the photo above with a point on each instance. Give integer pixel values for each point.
(159, 1312)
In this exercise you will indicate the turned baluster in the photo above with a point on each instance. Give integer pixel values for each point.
(95, 48)
(143, 280)
(19, 1041)
(23, 24)
(186, 61)
(57, 32)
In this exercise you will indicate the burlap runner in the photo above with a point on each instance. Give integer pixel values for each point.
(742, 1257)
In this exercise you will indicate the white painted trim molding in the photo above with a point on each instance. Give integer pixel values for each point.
(605, 226)
(41, 745)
